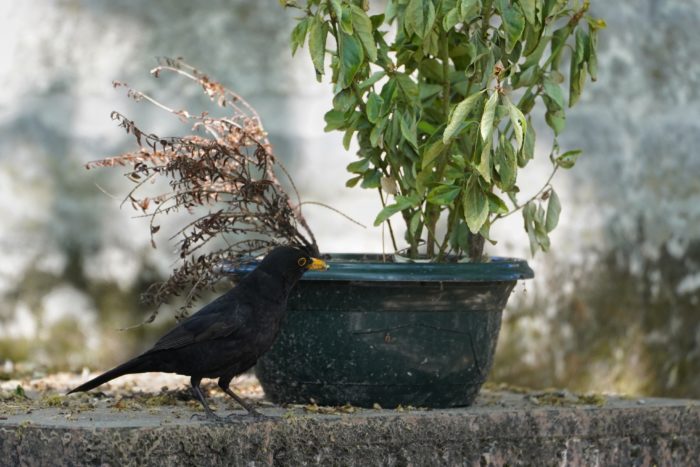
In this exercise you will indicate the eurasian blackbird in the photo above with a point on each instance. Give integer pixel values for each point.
(227, 336)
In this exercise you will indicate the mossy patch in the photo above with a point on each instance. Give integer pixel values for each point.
(566, 398)
(53, 400)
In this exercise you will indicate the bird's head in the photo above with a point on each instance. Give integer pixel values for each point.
(290, 262)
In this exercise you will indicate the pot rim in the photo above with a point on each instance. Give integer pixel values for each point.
(362, 267)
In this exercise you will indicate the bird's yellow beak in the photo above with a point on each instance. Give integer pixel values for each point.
(317, 265)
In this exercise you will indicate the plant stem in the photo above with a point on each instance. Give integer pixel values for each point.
(451, 225)
(432, 212)
(388, 222)
(485, 17)
(532, 198)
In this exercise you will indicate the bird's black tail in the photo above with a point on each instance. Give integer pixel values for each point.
(139, 364)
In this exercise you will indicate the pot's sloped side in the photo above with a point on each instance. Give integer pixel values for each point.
(419, 343)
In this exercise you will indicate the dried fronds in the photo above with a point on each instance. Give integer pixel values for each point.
(226, 180)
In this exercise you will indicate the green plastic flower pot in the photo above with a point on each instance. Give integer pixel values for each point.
(368, 332)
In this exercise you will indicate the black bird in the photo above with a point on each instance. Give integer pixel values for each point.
(227, 336)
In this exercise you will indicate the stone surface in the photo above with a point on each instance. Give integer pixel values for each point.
(554, 428)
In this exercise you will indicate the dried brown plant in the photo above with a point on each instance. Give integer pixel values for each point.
(225, 178)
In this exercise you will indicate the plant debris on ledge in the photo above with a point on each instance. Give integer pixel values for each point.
(166, 398)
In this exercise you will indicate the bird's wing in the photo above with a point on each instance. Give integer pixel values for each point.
(222, 317)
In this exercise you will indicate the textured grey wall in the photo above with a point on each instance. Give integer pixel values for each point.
(615, 304)
(613, 307)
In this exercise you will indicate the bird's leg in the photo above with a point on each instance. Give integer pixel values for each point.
(197, 391)
(224, 385)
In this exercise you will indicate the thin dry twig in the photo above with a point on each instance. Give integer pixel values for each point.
(225, 180)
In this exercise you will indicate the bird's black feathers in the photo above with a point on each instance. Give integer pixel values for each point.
(219, 319)
(227, 336)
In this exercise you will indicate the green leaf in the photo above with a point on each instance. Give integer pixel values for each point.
(468, 9)
(484, 167)
(527, 77)
(540, 231)
(347, 138)
(556, 121)
(485, 232)
(458, 161)
(377, 20)
(415, 221)
(454, 173)
(408, 87)
(377, 133)
(351, 57)
(426, 127)
(533, 58)
(558, 40)
(344, 101)
(577, 70)
(554, 92)
(376, 76)
(443, 194)
(476, 206)
(596, 23)
(374, 105)
(346, 20)
(580, 46)
(408, 129)
(334, 120)
(371, 179)
(428, 91)
(488, 116)
(568, 159)
(529, 9)
(459, 236)
(513, 23)
(518, 120)
(390, 12)
(362, 26)
(459, 114)
(489, 62)
(430, 154)
(553, 211)
(529, 220)
(527, 102)
(501, 112)
(575, 83)
(528, 151)
(358, 167)
(299, 34)
(402, 202)
(337, 8)
(431, 69)
(353, 181)
(506, 165)
(592, 59)
(419, 17)
(496, 204)
(392, 134)
(318, 31)
(450, 19)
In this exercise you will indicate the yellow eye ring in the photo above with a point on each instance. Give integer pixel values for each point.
(301, 262)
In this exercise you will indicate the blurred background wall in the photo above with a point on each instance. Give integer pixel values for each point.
(614, 306)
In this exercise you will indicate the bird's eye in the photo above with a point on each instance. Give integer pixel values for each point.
(301, 262)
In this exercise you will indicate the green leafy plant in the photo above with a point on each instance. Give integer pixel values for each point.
(439, 95)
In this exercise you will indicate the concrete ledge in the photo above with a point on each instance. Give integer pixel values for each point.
(502, 428)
